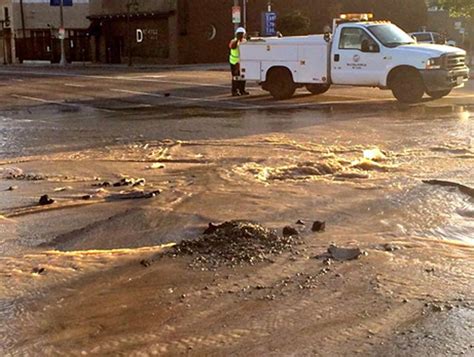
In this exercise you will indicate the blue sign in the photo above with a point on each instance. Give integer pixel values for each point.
(269, 24)
(58, 3)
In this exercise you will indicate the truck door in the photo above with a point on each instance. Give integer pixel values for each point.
(356, 58)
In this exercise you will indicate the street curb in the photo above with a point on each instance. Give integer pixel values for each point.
(118, 68)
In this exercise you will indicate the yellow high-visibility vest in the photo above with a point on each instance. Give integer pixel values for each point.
(234, 57)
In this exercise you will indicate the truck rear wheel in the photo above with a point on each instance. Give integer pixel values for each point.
(318, 88)
(408, 87)
(439, 94)
(280, 84)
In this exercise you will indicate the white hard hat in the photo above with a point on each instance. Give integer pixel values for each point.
(240, 30)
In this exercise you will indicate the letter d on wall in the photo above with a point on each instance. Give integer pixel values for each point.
(139, 36)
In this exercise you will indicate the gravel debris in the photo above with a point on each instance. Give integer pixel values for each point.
(234, 243)
(45, 200)
(318, 226)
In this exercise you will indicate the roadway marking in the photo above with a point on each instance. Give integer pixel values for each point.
(74, 85)
(61, 103)
(246, 106)
(191, 99)
(118, 78)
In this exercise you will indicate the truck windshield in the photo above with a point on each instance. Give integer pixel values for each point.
(391, 35)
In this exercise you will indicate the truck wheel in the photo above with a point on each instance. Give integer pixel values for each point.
(408, 87)
(318, 88)
(439, 94)
(280, 84)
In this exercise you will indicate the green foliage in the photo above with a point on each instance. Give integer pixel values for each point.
(410, 15)
(459, 7)
(293, 23)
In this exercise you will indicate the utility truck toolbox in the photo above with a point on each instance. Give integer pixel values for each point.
(359, 52)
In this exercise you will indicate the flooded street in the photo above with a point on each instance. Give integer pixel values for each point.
(131, 175)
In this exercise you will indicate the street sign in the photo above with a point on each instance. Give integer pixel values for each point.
(236, 15)
(269, 19)
(58, 2)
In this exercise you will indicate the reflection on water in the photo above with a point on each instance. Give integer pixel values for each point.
(460, 226)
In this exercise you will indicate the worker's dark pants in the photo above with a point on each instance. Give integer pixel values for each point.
(237, 85)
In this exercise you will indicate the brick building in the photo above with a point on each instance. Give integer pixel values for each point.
(161, 31)
(32, 30)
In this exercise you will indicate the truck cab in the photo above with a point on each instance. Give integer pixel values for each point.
(359, 53)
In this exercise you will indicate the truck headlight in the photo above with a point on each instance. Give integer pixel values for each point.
(434, 63)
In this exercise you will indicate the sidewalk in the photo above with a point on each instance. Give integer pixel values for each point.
(120, 67)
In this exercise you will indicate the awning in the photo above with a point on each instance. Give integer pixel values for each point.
(133, 15)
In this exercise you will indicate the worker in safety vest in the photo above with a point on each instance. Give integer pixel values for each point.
(238, 85)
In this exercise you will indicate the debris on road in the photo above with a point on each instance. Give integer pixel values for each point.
(156, 165)
(318, 226)
(25, 177)
(146, 263)
(45, 200)
(343, 254)
(289, 231)
(388, 247)
(340, 254)
(135, 195)
(12, 188)
(130, 182)
(234, 243)
(102, 184)
(38, 271)
(300, 222)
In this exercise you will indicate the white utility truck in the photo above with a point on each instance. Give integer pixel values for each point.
(359, 52)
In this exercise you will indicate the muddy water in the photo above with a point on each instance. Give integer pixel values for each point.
(362, 173)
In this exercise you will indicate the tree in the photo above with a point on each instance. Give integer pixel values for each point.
(408, 14)
(293, 23)
(462, 8)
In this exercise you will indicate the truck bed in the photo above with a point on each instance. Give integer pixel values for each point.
(305, 56)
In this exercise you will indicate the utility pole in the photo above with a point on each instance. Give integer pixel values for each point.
(22, 12)
(4, 47)
(62, 33)
(244, 10)
(130, 4)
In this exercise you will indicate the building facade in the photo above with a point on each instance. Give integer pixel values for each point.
(161, 31)
(33, 28)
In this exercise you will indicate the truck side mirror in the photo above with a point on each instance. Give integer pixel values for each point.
(327, 37)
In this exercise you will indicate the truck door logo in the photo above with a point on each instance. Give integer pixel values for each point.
(355, 63)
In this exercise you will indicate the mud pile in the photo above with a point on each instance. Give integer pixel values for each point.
(233, 244)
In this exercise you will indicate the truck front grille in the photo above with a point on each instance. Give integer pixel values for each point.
(455, 62)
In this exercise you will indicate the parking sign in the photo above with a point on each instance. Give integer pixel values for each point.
(236, 15)
(269, 23)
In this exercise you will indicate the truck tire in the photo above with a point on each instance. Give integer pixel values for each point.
(280, 83)
(407, 86)
(318, 88)
(439, 94)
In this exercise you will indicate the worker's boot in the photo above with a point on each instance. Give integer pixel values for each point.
(242, 90)
(235, 88)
